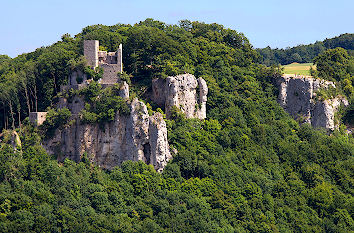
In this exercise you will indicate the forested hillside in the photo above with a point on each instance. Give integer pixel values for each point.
(249, 167)
(305, 53)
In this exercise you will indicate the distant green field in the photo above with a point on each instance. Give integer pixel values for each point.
(298, 68)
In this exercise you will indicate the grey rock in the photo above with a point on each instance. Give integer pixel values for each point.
(183, 91)
(297, 96)
(134, 137)
(323, 114)
(124, 90)
(160, 151)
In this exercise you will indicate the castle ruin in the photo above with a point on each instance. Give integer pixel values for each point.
(136, 136)
(37, 118)
(110, 62)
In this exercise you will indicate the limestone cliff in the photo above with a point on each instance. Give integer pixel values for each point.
(297, 97)
(137, 136)
(134, 137)
(183, 91)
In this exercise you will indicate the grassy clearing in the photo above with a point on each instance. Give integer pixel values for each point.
(298, 68)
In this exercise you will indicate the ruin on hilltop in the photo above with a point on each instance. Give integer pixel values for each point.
(111, 64)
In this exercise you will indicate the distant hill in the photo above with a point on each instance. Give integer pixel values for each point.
(305, 53)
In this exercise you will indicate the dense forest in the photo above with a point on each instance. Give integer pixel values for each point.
(249, 167)
(305, 53)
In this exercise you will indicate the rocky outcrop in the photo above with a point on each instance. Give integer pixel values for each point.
(158, 144)
(12, 138)
(297, 95)
(323, 114)
(137, 136)
(124, 90)
(183, 91)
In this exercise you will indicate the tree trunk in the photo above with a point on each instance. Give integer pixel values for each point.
(27, 101)
(31, 98)
(55, 84)
(19, 118)
(4, 117)
(35, 97)
(12, 115)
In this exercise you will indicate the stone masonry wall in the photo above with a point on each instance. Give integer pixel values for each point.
(37, 118)
(110, 62)
(91, 48)
(110, 72)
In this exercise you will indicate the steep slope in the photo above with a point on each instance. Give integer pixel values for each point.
(247, 167)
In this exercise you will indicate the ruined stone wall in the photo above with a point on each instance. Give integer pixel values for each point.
(110, 62)
(137, 136)
(183, 91)
(297, 95)
(37, 118)
(110, 72)
(120, 57)
(77, 77)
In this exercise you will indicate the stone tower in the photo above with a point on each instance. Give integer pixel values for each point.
(111, 62)
(91, 49)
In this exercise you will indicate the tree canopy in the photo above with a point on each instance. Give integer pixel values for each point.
(305, 53)
(248, 167)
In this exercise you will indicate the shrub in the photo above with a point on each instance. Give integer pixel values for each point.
(55, 119)
(104, 104)
(91, 92)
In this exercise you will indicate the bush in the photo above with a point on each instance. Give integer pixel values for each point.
(55, 119)
(91, 92)
(94, 74)
(125, 77)
(104, 104)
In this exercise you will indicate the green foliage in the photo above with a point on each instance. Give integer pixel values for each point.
(91, 92)
(333, 64)
(88, 117)
(327, 93)
(336, 65)
(55, 119)
(248, 167)
(102, 104)
(305, 53)
(79, 63)
(125, 77)
(94, 74)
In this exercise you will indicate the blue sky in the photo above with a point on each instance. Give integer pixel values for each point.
(26, 25)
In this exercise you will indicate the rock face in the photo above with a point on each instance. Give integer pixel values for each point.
(137, 136)
(124, 90)
(183, 91)
(324, 112)
(160, 152)
(297, 97)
